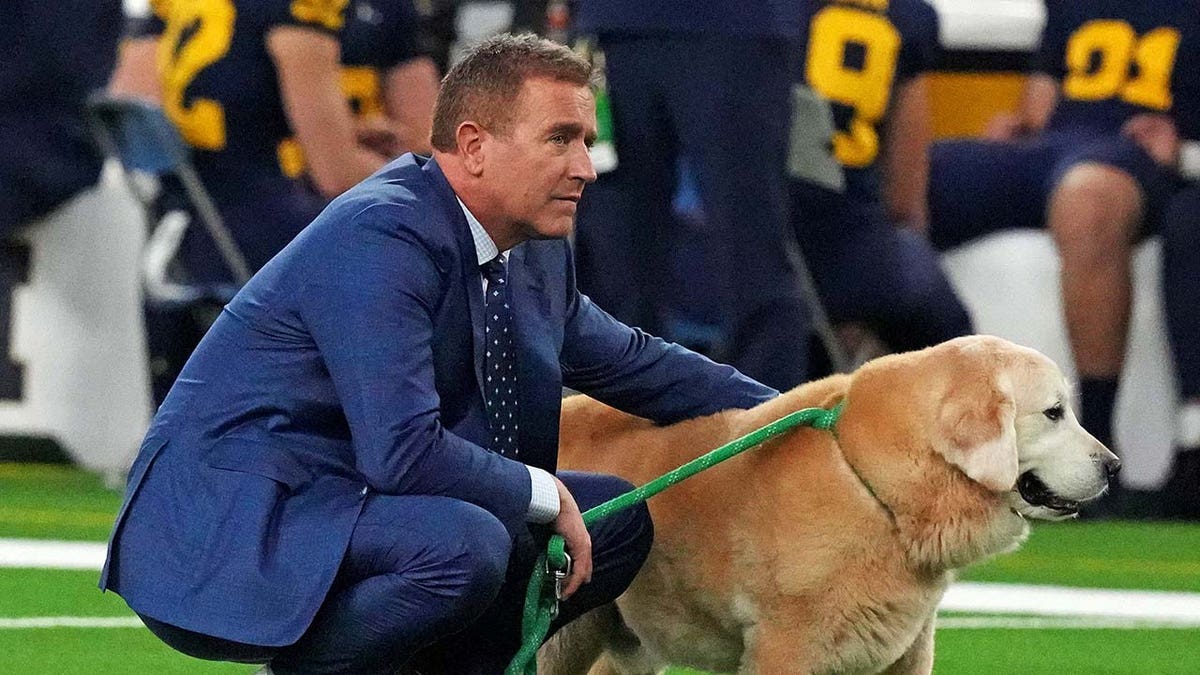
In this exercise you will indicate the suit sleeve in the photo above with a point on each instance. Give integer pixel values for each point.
(368, 304)
(645, 375)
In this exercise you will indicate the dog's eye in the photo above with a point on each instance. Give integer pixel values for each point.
(1054, 413)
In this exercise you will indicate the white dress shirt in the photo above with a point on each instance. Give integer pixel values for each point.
(543, 500)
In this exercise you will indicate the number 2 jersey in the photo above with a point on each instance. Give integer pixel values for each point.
(1117, 58)
(221, 90)
(857, 54)
(220, 87)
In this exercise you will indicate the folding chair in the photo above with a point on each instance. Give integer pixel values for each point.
(149, 147)
(809, 158)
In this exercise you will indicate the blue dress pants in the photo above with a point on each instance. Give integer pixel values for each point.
(440, 580)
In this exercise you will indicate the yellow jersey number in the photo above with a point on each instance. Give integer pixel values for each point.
(197, 35)
(360, 86)
(867, 90)
(1099, 56)
(327, 13)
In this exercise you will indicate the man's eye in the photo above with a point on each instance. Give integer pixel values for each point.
(558, 139)
(1054, 413)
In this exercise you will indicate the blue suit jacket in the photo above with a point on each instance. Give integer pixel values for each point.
(350, 364)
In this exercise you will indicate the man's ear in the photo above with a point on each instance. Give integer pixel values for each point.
(976, 431)
(469, 138)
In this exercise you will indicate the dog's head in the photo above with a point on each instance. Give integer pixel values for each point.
(1007, 423)
(998, 413)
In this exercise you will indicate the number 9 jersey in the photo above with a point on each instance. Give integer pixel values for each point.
(857, 53)
(1116, 58)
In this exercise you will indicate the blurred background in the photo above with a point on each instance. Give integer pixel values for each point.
(131, 212)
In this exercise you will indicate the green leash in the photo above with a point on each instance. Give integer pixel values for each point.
(541, 601)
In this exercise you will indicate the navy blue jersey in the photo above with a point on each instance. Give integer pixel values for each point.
(857, 53)
(379, 35)
(780, 18)
(150, 24)
(52, 55)
(220, 87)
(1116, 58)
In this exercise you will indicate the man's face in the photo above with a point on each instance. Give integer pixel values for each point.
(537, 169)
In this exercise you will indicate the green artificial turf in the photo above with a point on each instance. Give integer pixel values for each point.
(53, 501)
(58, 502)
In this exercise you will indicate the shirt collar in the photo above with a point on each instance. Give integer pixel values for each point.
(485, 249)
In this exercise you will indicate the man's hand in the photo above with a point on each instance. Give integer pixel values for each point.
(1003, 127)
(569, 524)
(1157, 135)
(375, 134)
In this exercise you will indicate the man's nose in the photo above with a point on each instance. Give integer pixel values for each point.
(582, 167)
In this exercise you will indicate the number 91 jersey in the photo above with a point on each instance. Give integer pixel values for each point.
(856, 53)
(1118, 58)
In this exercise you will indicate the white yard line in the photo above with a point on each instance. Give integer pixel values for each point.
(71, 622)
(993, 598)
(1017, 605)
(63, 555)
(1058, 622)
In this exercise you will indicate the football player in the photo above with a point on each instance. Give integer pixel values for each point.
(262, 180)
(707, 80)
(1092, 154)
(859, 166)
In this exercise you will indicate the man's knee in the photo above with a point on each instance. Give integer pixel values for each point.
(472, 551)
(1095, 207)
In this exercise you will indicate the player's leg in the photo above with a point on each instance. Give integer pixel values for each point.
(1101, 193)
(1181, 284)
(1093, 213)
(623, 218)
(977, 188)
(731, 101)
(869, 271)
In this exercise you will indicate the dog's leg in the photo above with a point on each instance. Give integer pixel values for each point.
(918, 660)
(579, 644)
(778, 650)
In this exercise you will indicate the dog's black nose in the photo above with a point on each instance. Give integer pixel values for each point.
(1112, 467)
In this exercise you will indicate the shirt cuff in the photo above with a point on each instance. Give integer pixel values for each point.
(543, 497)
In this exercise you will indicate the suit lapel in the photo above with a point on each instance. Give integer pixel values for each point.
(471, 279)
(475, 298)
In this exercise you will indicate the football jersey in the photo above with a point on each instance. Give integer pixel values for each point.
(220, 87)
(379, 35)
(1116, 58)
(856, 55)
(55, 54)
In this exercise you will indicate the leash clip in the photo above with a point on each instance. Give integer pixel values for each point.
(560, 576)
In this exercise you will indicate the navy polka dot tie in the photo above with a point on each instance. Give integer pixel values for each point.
(500, 360)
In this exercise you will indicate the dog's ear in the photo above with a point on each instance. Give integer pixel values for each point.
(975, 430)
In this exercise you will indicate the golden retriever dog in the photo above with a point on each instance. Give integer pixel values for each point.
(823, 552)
